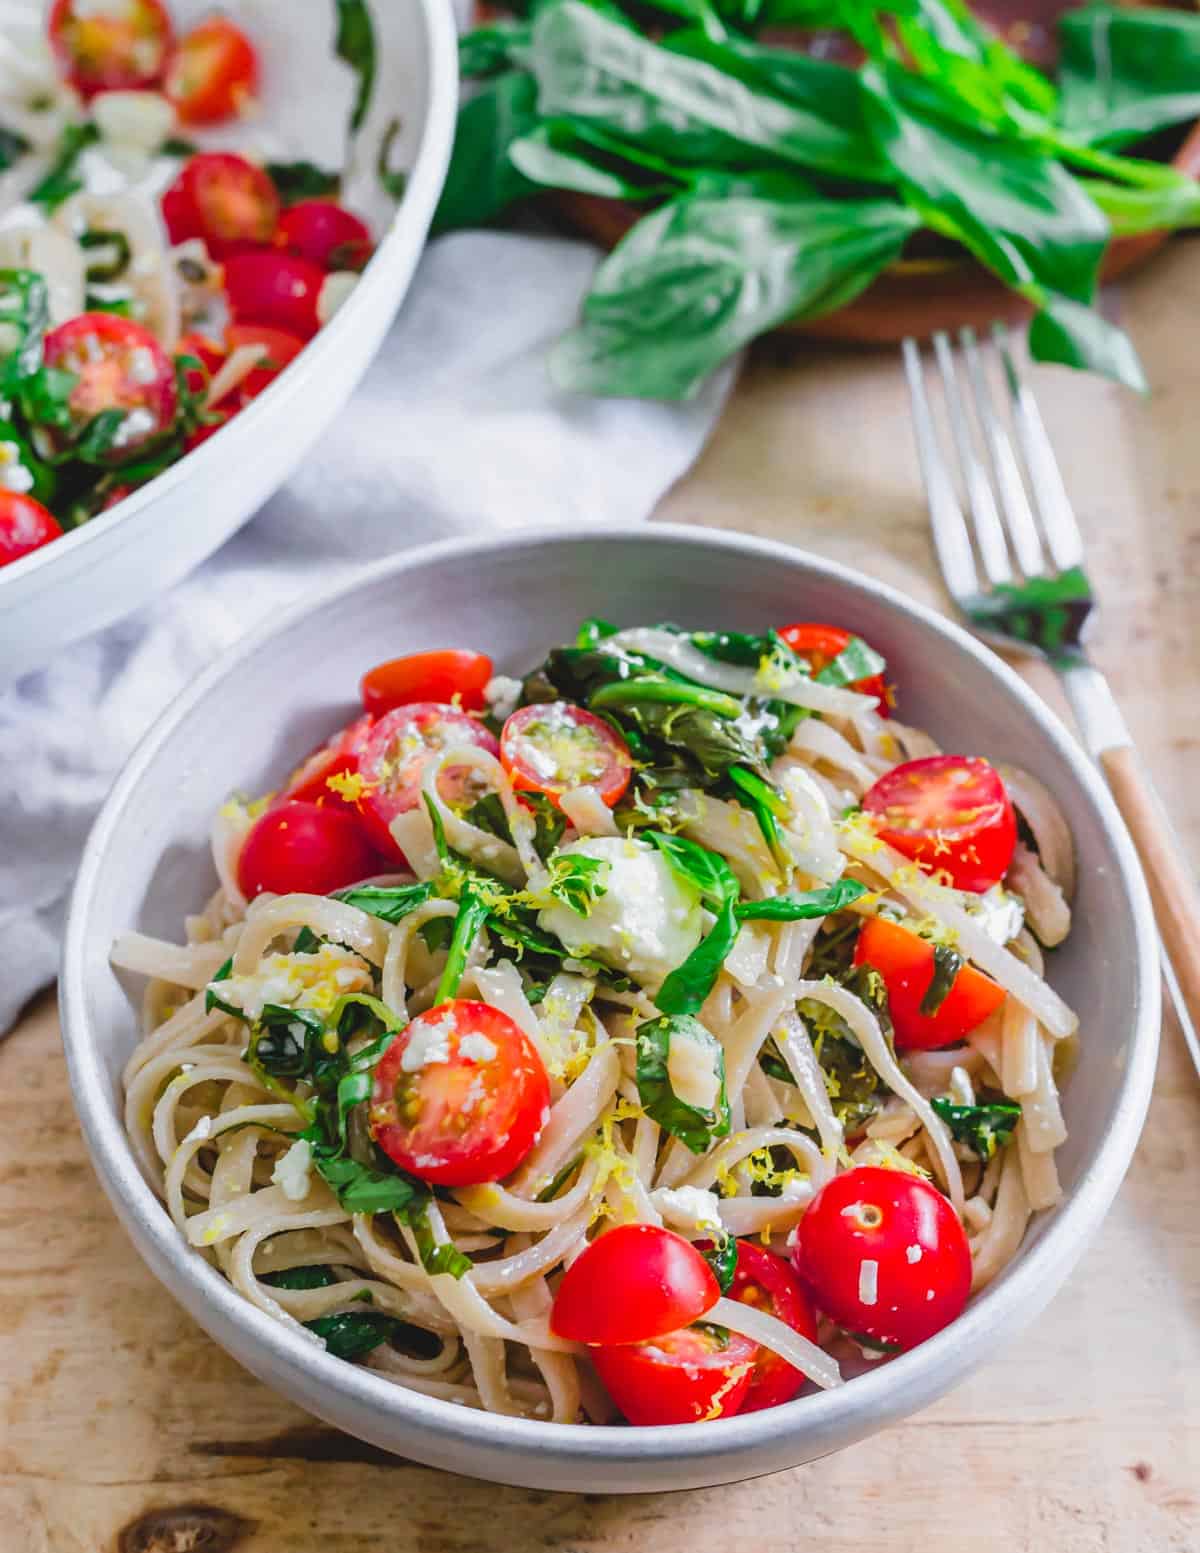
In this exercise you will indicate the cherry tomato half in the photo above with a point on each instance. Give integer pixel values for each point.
(224, 199)
(821, 644)
(119, 366)
(209, 353)
(309, 783)
(120, 45)
(460, 1095)
(25, 525)
(427, 676)
(633, 1284)
(884, 1255)
(906, 963)
(555, 746)
(394, 757)
(274, 289)
(282, 348)
(947, 812)
(324, 234)
(695, 1374)
(213, 73)
(766, 1282)
(306, 847)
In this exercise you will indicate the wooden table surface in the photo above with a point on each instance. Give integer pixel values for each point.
(123, 1429)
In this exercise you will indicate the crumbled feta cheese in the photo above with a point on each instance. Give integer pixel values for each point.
(502, 694)
(959, 1087)
(137, 424)
(291, 1171)
(428, 1043)
(477, 1047)
(913, 1253)
(475, 1093)
(13, 474)
(868, 1282)
(688, 1207)
(143, 368)
(202, 1129)
(692, 1071)
(140, 121)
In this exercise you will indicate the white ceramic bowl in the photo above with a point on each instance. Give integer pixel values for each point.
(125, 557)
(253, 714)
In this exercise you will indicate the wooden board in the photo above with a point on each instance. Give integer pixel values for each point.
(123, 1429)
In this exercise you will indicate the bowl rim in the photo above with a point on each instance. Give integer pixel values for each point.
(907, 1382)
(413, 212)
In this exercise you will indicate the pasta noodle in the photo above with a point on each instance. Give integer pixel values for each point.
(285, 1180)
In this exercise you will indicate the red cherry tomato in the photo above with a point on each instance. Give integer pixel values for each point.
(275, 289)
(906, 963)
(682, 1378)
(25, 525)
(460, 1095)
(224, 199)
(282, 348)
(394, 757)
(208, 353)
(306, 847)
(555, 746)
(884, 1255)
(766, 1282)
(821, 644)
(309, 783)
(119, 366)
(947, 812)
(324, 234)
(213, 73)
(633, 1284)
(427, 676)
(121, 45)
(201, 434)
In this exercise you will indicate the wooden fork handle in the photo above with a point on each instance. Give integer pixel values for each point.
(1165, 864)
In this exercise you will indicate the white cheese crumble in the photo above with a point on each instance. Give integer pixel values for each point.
(502, 694)
(428, 1043)
(143, 368)
(140, 121)
(868, 1282)
(648, 921)
(688, 1207)
(202, 1129)
(291, 1171)
(477, 1047)
(913, 1254)
(959, 1088)
(13, 474)
(692, 1071)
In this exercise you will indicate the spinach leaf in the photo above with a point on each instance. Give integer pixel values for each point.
(699, 278)
(284, 1042)
(350, 1334)
(1126, 72)
(560, 154)
(1077, 336)
(983, 1128)
(63, 177)
(482, 181)
(705, 870)
(362, 1188)
(303, 181)
(355, 44)
(947, 963)
(802, 905)
(473, 913)
(486, 51)
(722, 1256)
(694, 1127)
(314, 1276)
(767, 806)
(855, 661)
(685, 989)
(13, 146)
(390, 903)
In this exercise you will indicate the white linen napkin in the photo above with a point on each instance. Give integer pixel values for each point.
(456, 429)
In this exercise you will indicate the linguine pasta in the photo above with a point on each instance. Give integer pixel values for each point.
(452, 1291)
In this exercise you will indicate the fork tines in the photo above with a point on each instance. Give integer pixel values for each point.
(1002, 496)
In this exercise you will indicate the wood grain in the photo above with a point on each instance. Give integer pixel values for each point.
(123, 1429)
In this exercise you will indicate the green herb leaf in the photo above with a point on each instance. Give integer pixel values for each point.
(947, 963)
(390, 903)
(350, 1334)
(706, 870)
(363, 1189)
(435, 1257)
(578, 881)
(392, 180)
(283, 1043)
(983, 1128)
(1077, 336)
(111, 252)
(694, 1127)
(722, 1257)
(13, 146)
(486, 51)
(63, 178)
(314, 1276)
(303, 181)
(1125, 73)
(355, 44)
(593, 631)
(482, 181)
(25, 312)
(802, 905)
(855, 661)
(767, 806)
(472, 915)
(685, 989)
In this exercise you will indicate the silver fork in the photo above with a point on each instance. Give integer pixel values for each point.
(1016, 572)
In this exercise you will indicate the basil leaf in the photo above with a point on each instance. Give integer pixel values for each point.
(363, 1189)
(802, 905)
(435, 1257)
(707, 871)
(284, 1040)
(1126, 73)
(486, 51)
(472, 915)
(45, 481)
(101, 437)
(694, 1127)
(355, 44)
(482, 182)
(1077, 336)
(561, 154)
(63, 178)
(314, 1276)
(947, 963)
(983, 1128)
(390, 903)
(13, 145)
(302, 181)
(855, 661)
(578, 881)
(307, 942)
(670, 692)
(685, 989)
(593, 631)
(767, 806)
(722, 1257)
(350, 1334)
